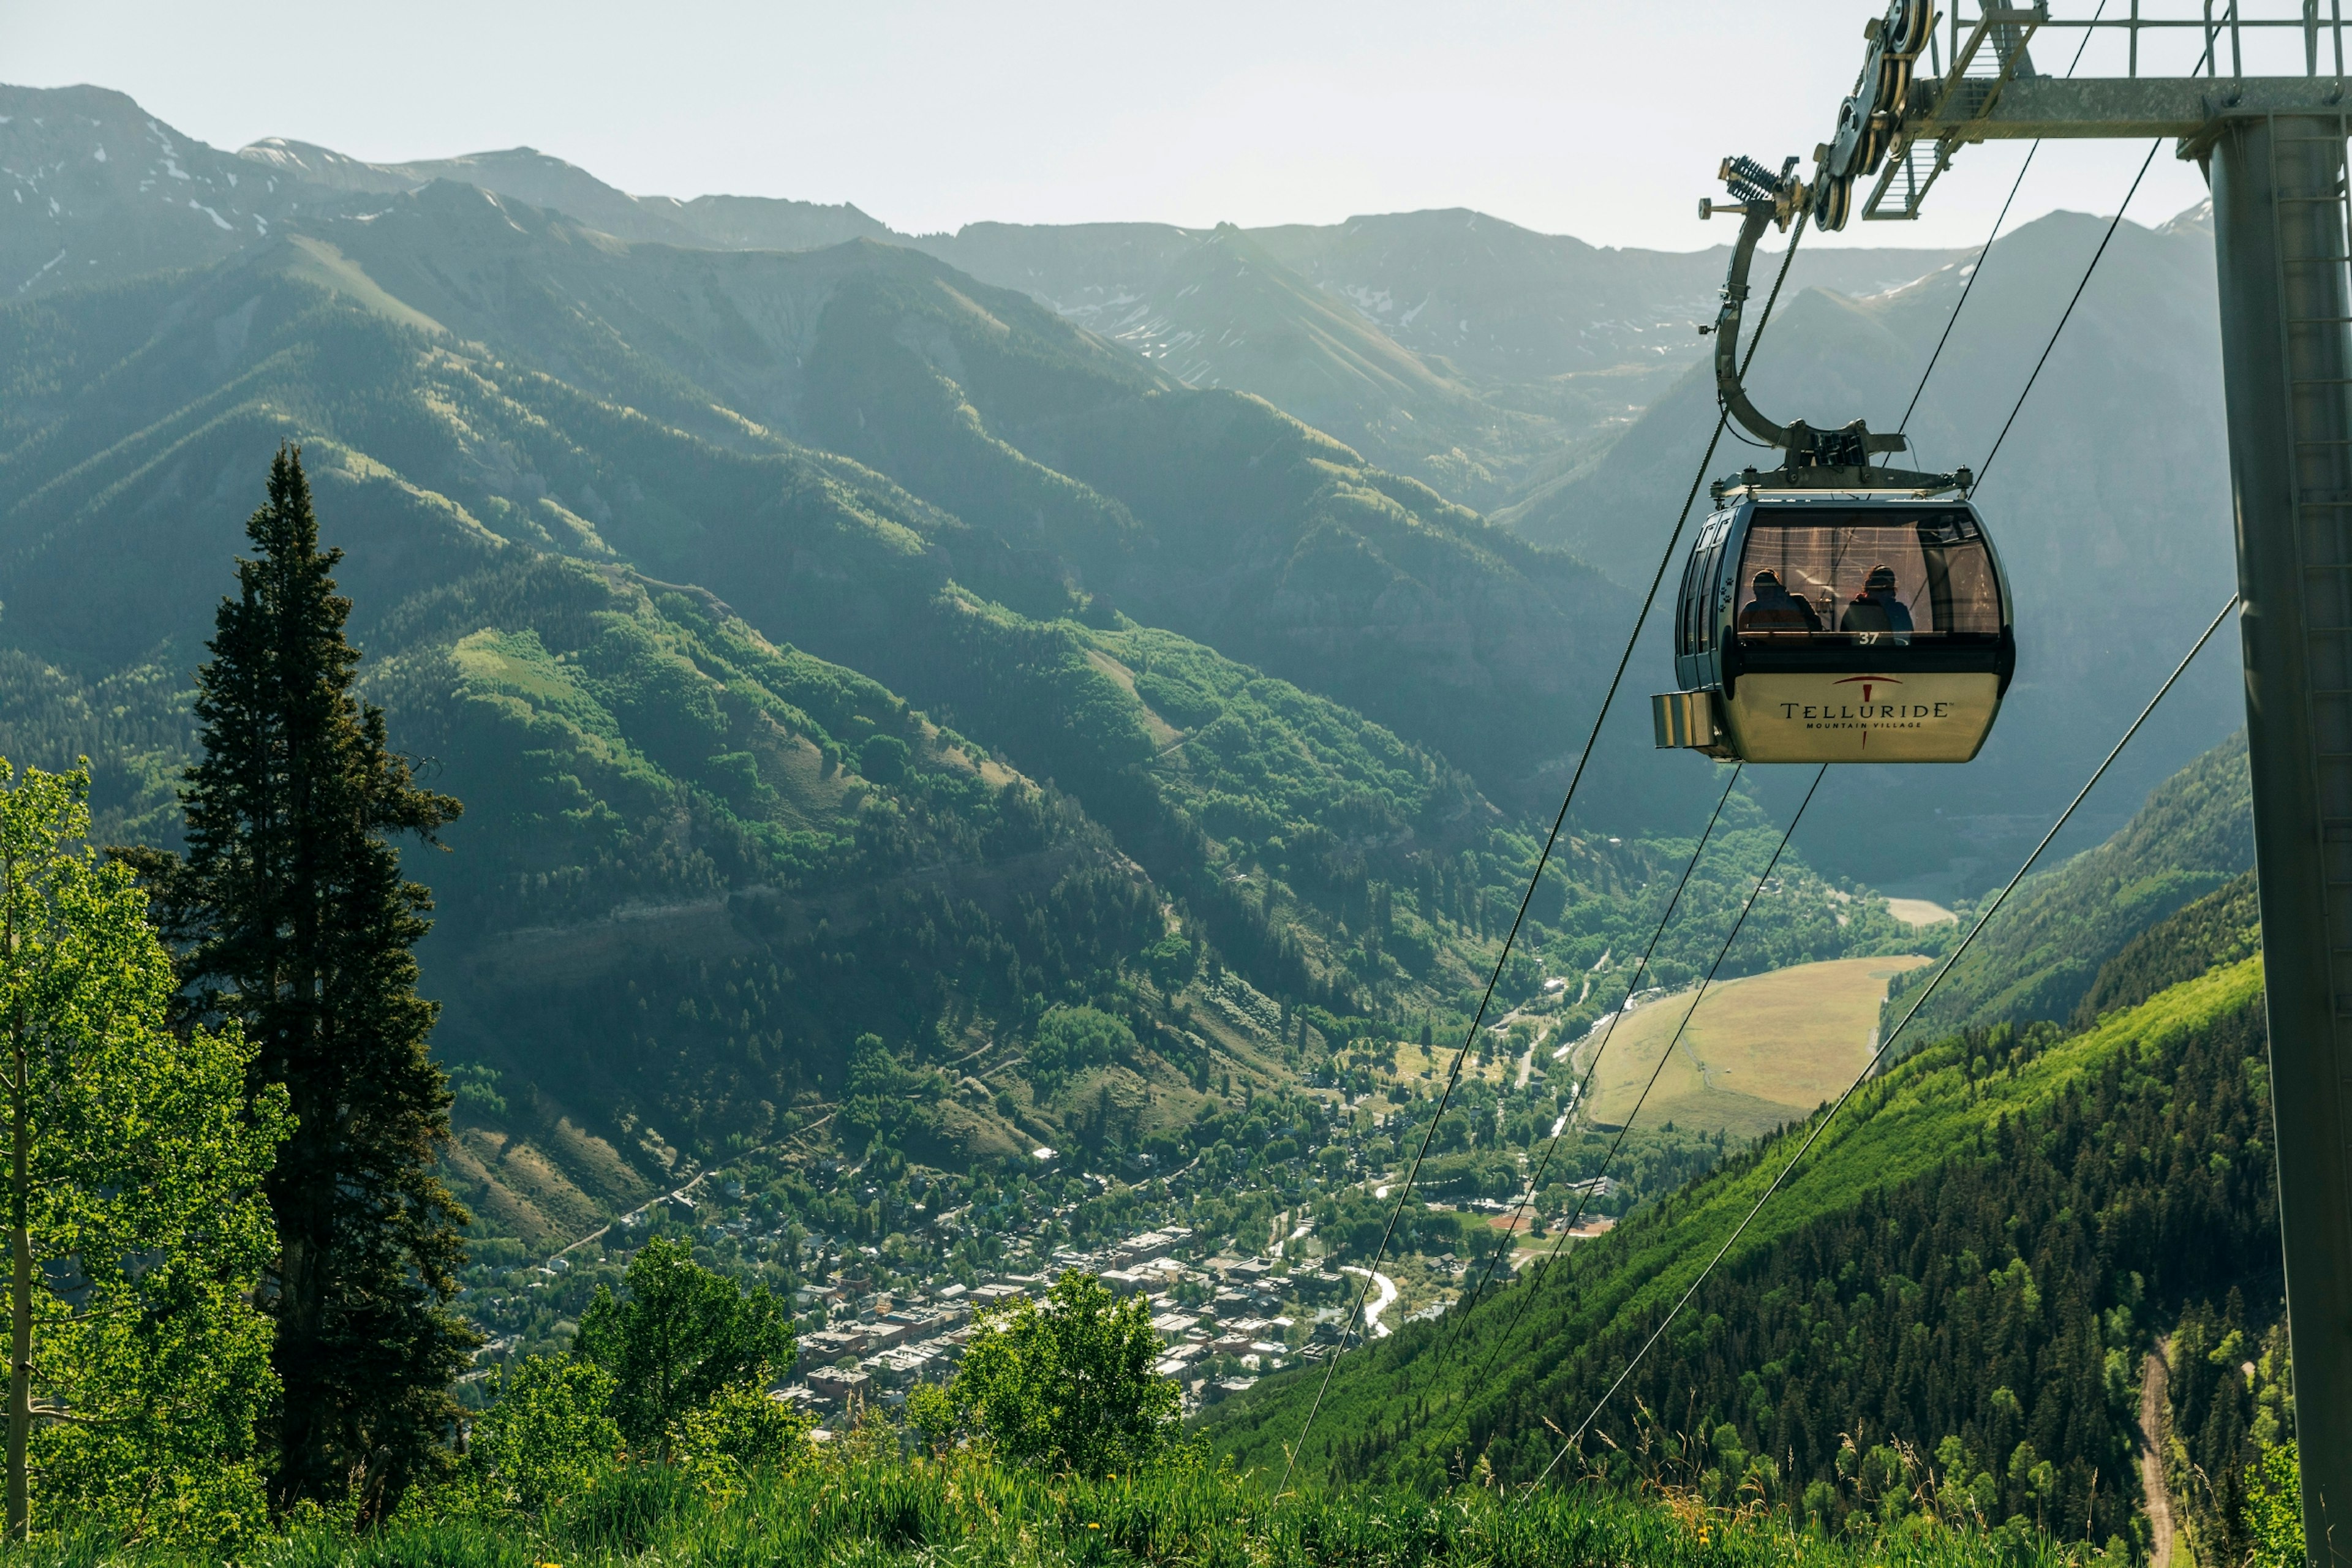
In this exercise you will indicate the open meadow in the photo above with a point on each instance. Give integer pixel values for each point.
(1759, 1052)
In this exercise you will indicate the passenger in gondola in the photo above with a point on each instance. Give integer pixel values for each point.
(1877, 610)
(1775, 609)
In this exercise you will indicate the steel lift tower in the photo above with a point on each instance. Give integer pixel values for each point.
(2273, 148)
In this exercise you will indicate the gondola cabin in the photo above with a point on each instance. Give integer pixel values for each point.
(1839, 629)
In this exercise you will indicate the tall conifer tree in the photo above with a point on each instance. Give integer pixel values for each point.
(297, 922)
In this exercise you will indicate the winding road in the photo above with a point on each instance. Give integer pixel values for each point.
(1382, 1303)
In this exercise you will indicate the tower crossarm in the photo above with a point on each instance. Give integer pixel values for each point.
(1976, 81)
(2130, 108)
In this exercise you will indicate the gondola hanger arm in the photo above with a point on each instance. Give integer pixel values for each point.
(1814, 458)
(1763, 200)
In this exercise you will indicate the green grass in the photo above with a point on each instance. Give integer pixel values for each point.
(1760, 1051)
(866, 1509)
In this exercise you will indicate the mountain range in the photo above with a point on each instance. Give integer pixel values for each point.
(767, 606)
(1447, 344)
(1047, 688)
(661, 517)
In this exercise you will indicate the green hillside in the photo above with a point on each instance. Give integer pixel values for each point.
(695, 846)
(1972, 1264)
(1096, 476)
(2041, 955)
(1530, 374)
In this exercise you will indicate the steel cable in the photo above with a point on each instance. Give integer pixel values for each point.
(1704, 984)
(1583, 1086)
(1463, 1308)
(1609, 698)
(1879, 1055)
(1871, 1066)
(2113, 224)
(1986, 250)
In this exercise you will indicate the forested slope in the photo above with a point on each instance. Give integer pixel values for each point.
(1970, 1269)
(2040, 957)
(1207, 512)
(769, 606)
(1384, 325)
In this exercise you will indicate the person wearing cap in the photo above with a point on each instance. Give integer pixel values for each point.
(1775, 609)
(1877, 609)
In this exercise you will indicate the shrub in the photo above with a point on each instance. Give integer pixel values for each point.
(1066, 1386)
(683, 1336)
(739, 1432)
(2273, 1509)
(1171, 963)
(883, 759)
(1068, 1040)
(931, 1411)
(549, 1435)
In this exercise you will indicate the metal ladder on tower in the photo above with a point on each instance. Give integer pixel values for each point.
(1988, 57)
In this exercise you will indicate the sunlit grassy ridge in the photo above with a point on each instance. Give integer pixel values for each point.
(2195, 832)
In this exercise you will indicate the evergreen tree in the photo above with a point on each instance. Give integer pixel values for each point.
(297, 924)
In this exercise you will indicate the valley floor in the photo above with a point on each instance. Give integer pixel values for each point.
(1759, 1052)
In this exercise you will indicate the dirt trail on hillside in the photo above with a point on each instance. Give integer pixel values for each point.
(2153, 1400)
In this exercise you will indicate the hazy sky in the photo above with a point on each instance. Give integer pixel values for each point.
(1604, 121)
